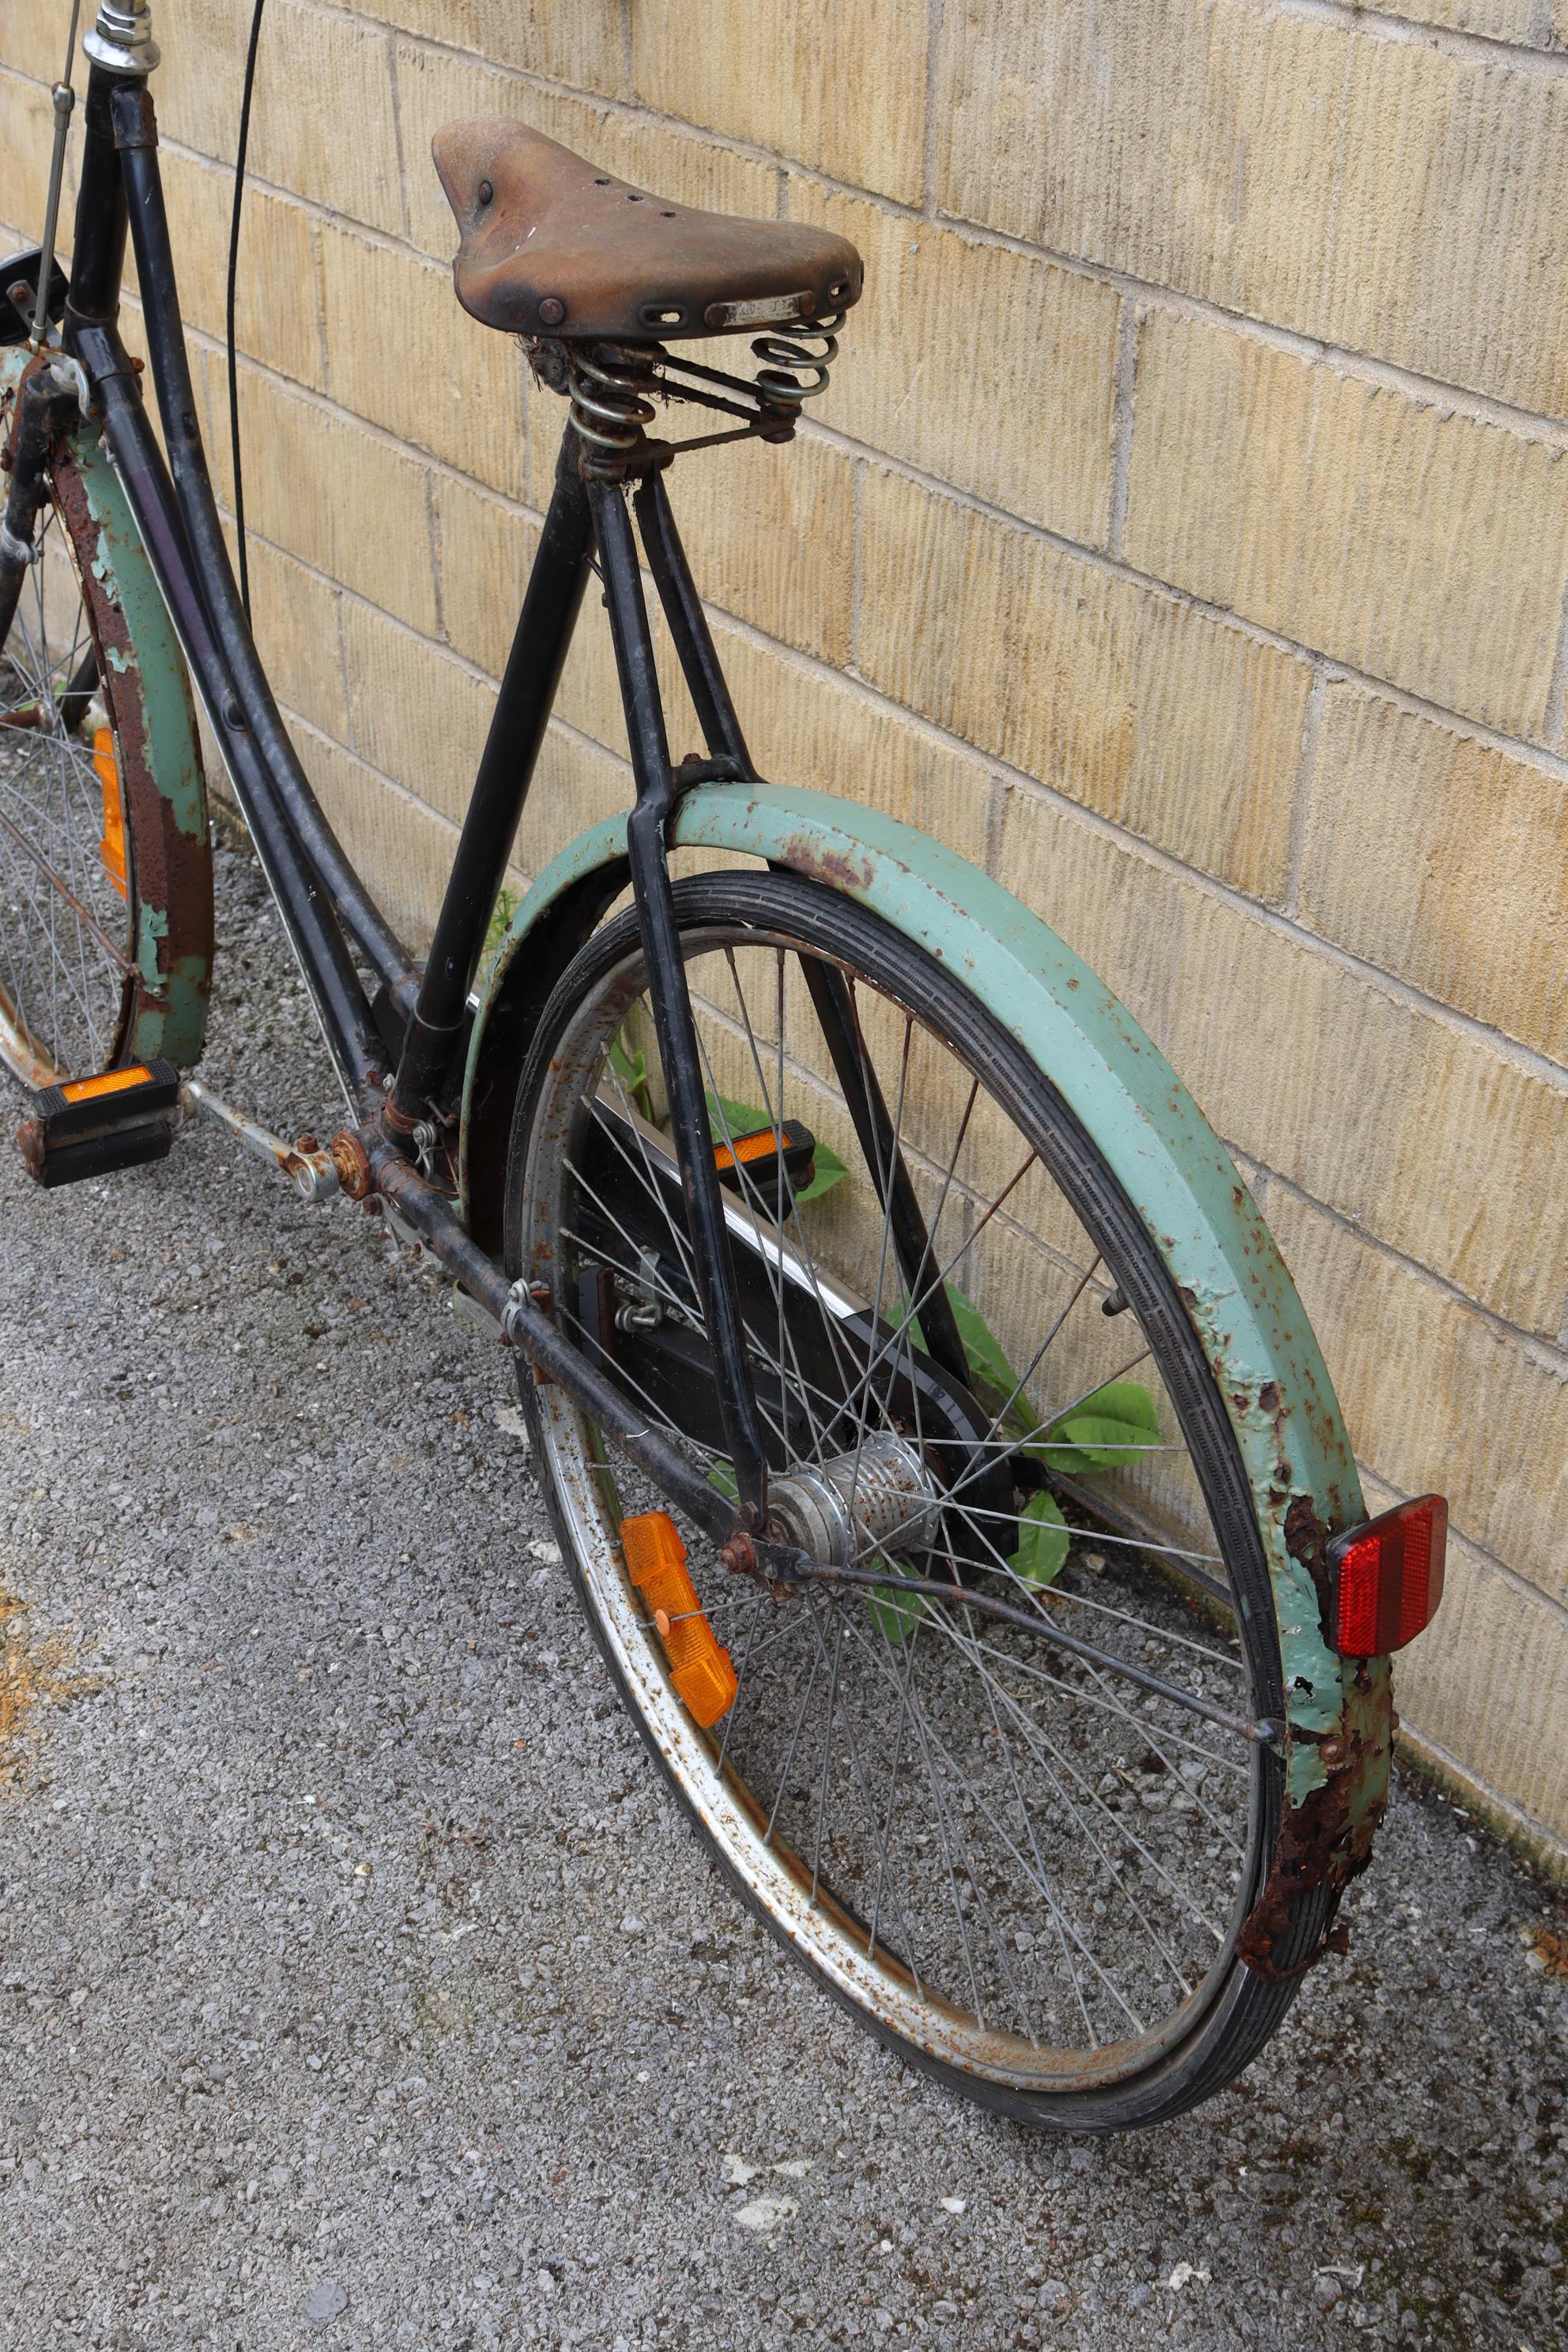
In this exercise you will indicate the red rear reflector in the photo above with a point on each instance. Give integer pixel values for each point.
(1388, 1578)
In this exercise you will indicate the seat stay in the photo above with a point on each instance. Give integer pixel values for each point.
(699, 656)
(657, 798)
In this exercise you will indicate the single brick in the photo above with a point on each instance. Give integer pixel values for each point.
(400, 353)
(415, 711)
(344, 500)
(1435, 1394)
(1444, 859)
(1383, 195)
(1433, 1139)
(841, 88)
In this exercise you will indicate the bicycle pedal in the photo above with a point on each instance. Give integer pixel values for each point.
(756, 1160)
(90, 1127)
(705, 1681)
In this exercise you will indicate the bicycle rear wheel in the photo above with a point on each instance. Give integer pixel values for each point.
(1021, 1851)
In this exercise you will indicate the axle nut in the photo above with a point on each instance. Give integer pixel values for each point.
(738, 1555)
(353, 1164)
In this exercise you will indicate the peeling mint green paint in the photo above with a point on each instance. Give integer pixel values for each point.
(176, 1026)
(152, 931)
(1174, 1167)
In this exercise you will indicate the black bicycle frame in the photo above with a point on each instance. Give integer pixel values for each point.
(402, 1050)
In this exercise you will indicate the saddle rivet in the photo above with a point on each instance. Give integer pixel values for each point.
(486, 192)
(552, 311)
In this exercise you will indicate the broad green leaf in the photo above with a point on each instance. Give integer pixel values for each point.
(895, 1614)
(737, 1118)
(722, 1474)
(826, 1169)
(1043, 1541)
(1106, 1432)
(991, 1376)
(988, 1366)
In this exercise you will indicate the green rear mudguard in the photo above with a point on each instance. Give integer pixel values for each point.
(1172, 1167)
(161, 776)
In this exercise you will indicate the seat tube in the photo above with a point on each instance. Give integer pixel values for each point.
(673, 1022)
(539, 650)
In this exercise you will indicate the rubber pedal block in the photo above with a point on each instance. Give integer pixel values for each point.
(91, 1127)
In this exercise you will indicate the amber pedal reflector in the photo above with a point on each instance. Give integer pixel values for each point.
(111, 849)
(762, 1145)
(1387, 1578)
(764, 1151)
(700, 1667)
(111, 1082)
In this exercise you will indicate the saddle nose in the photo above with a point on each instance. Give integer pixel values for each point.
(552, 245)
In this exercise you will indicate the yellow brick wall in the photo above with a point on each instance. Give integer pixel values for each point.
(1213, 374)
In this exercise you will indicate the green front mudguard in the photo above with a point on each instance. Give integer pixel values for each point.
(161, 777)
(1171, 1164)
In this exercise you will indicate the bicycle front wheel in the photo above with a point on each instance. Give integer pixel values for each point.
(1020, 1848)
(105, 865)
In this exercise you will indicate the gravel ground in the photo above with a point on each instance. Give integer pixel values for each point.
(360, 1980)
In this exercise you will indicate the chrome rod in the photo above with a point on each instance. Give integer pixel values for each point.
(63, 99)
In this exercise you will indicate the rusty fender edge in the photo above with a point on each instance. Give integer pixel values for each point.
(1171, 1165)
(160, 759)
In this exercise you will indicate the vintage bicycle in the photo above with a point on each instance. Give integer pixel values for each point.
(938, 1446)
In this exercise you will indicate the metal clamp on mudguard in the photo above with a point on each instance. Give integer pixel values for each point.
(88, 1126)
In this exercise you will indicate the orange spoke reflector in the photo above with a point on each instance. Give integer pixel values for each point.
(111, 849)
(1387, 1576)
(700, 1667)
(112, 1082)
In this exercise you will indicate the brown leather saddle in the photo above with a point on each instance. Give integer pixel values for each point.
(551, 246)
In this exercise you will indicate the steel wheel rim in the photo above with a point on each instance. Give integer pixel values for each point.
(52, 798)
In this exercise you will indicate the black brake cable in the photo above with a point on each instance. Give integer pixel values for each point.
(233, 277)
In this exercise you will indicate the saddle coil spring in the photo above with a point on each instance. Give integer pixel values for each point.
(788, 358)
(610, 385)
